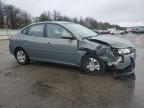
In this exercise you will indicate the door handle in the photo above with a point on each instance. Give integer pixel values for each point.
(48, 43)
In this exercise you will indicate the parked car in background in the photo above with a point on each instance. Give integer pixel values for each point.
(73, 44)
(118, 32)
(104, 32)
(138, 30)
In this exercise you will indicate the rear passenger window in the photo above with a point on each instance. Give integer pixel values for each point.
(36, 30)
(24, 31)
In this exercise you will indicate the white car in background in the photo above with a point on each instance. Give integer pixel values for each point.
(118, 32)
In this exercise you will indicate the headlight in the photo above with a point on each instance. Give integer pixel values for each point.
(124, 51)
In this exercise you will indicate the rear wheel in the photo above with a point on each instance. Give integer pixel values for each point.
(92, 64)
(22, 56)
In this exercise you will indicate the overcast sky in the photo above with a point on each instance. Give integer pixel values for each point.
(122, 12)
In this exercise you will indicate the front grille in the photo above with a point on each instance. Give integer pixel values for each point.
(115, 51)
(133, 50)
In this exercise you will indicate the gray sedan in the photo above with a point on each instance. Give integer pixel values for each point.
(73, 44)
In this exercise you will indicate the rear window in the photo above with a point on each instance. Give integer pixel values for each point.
(36, 30)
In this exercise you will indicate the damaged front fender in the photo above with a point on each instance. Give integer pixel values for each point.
(103, 50)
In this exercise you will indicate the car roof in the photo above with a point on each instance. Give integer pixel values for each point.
(55, 22)
(44, 22)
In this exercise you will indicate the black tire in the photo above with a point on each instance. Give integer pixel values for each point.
(87, 60)
(25, 59)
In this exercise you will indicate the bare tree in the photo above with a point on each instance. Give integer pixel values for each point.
(75, 20)
(49, 15)
(16, 18)
(23, 19)
(1, 15)
(45, 16)
(11, 15)
(57, 15)
(27, 18)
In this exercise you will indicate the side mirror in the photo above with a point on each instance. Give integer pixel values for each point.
(67, 37)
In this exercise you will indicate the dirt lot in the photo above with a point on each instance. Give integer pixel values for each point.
(45, 85)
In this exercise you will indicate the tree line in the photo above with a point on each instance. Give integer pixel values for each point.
(89, 22)
(14, 18)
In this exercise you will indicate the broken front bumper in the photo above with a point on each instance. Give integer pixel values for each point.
(125, 66)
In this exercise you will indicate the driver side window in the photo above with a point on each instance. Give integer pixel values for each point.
(56, 31)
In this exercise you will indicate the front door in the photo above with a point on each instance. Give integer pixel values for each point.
(60, 49)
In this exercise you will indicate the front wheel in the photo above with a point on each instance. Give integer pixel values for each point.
(92, 64)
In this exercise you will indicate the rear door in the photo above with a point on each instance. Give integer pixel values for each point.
(35, 41)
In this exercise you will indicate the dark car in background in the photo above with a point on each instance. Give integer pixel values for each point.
(73, 44)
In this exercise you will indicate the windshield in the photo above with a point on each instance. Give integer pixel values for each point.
(80, 30)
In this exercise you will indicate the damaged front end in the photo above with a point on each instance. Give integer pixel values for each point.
(124, 64)
(120, 60)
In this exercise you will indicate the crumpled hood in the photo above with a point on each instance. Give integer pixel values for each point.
(115, 42)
